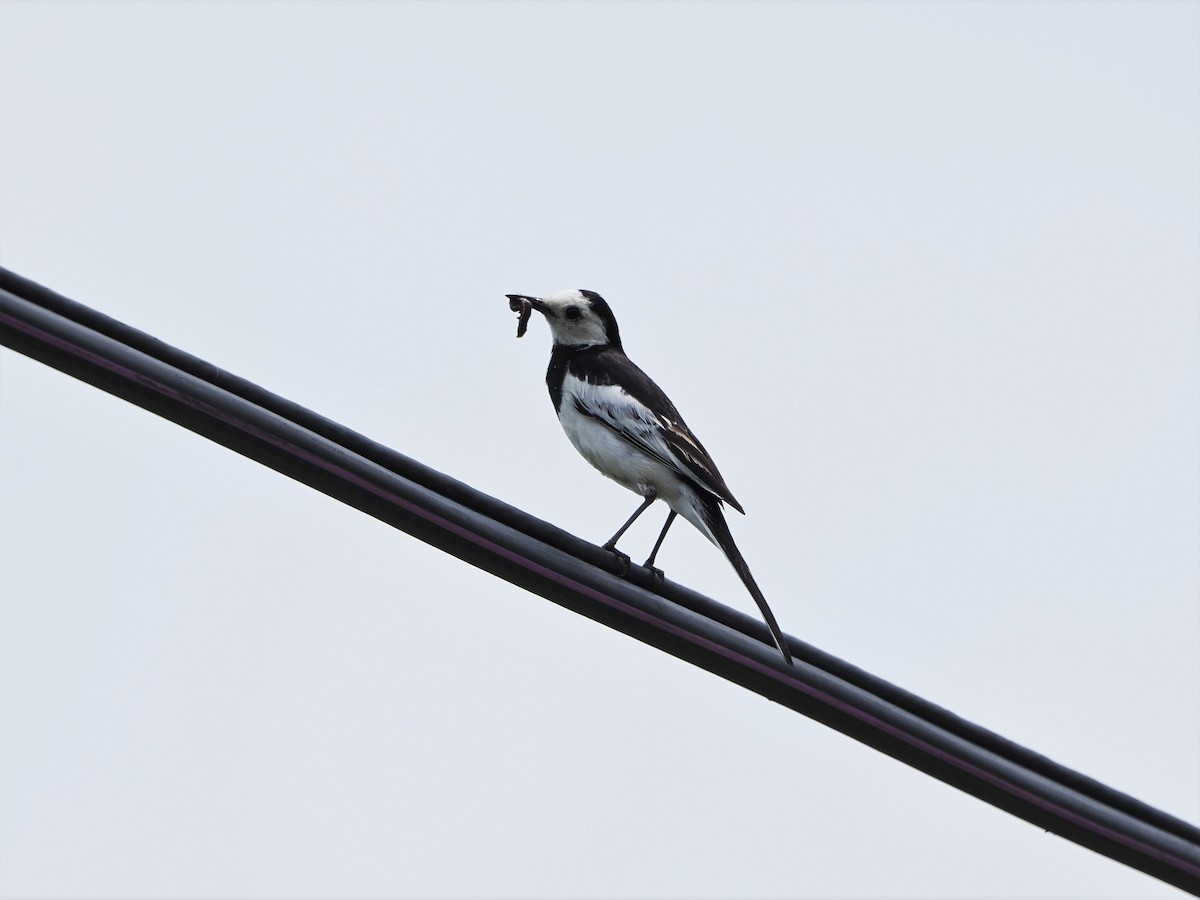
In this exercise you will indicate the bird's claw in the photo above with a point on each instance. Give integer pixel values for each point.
(623, 561)
(655, 573)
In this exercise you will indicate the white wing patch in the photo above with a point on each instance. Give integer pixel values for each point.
(610, 407)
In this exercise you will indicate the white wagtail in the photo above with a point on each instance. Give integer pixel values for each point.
(624, 425)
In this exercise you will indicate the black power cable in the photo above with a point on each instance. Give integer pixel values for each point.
(573, 573)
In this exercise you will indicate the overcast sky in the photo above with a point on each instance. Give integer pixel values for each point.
(923, 277)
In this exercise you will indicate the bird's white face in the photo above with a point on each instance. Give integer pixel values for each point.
(578, 318)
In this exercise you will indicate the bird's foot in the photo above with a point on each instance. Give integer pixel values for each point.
(656, 573)
(623, 560)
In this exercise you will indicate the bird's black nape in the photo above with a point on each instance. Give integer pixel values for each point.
(600, 305)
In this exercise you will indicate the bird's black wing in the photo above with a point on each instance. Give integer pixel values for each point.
(630, 403)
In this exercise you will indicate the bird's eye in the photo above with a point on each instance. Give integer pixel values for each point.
(572, 313)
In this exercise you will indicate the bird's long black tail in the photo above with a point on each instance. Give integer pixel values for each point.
(715, 519)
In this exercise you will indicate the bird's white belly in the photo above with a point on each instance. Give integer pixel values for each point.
(616, 457)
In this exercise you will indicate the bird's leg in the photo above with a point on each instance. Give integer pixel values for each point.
(611, 543)
(651, 496)
(649, 563)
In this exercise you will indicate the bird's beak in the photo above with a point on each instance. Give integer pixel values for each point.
(536, 302)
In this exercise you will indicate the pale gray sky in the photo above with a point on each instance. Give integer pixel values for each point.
(922, 276)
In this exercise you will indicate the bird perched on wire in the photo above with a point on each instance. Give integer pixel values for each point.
(624, 425)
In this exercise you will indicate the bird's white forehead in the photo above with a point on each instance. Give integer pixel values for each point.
(564, 298)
